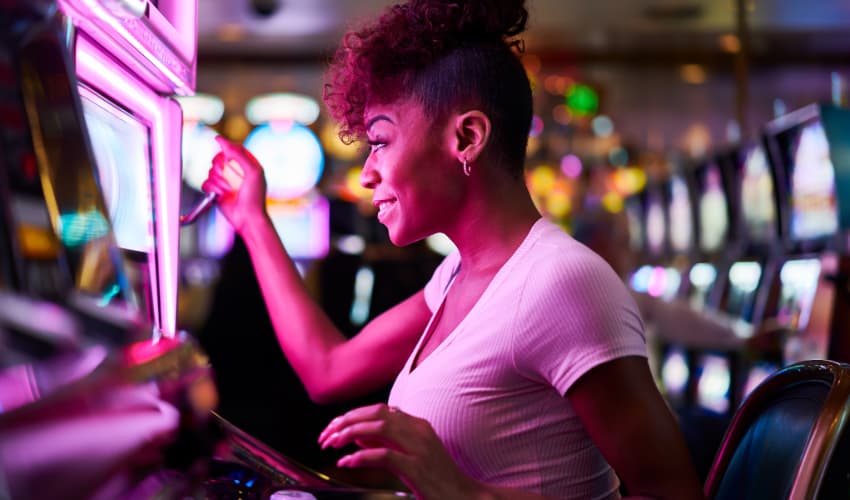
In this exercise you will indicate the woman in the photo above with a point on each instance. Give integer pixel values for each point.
(521, 367)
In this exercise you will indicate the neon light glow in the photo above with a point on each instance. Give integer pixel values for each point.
(282, 106)
(163, 116)
(714, 383)
(681, 226)
(303, 226)
(674, 372)
(111, 29)
(641, 278)
(713, 210)
(291, 156)
(814, 208)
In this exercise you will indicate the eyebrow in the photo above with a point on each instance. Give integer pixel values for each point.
(377, 118)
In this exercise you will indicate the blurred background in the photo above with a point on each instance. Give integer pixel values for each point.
(626, 95)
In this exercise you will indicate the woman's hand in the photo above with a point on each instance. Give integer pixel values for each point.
(238, 180)
(403, 444)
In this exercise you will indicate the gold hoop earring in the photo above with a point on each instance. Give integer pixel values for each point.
(466, 169)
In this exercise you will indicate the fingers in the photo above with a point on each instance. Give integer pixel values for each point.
(360, 414)
(233, 174)
(217, 184)
(376, 457)
(372, 433)
(237, 151)
(225, 145)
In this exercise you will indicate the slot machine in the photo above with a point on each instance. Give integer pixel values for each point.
(811, 146)
(100, 396)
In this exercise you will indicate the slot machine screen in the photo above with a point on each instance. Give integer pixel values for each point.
(713, 209)
(757, 196)
(814, 209)
(744, 278)
(121, 147)
(681, 220)
(799, 281)
(702, 277)
(675, 374)
(634, 217)
(714, 383)
(655, 223)
(757, 374)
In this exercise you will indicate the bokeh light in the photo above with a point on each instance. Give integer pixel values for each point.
(291, 157)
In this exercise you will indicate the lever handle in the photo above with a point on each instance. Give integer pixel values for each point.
(198, 210)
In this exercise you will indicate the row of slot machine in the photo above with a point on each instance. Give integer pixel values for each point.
(100, 396)
(745, 260)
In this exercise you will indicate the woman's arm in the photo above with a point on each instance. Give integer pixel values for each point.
(330, 366)
(634, 429)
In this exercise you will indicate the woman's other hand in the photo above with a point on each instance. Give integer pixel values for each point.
(403, 444)
(238, 180)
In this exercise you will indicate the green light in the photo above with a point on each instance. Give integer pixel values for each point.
(582, 100)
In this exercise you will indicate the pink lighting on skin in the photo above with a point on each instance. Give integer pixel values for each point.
(163, 115)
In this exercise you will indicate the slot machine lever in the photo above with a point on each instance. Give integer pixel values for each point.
(198, 210)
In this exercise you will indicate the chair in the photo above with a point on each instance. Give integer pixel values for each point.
(786, 439)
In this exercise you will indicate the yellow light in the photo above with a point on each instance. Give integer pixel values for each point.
(612, 202)
(693, 73)
(352, 189)
(329, 135)
(729, 43)
(558, 204)
(541, 180)
(38, 242)
(628, 180)
(533, 146)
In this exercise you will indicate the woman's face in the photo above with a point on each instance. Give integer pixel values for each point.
(417, 189)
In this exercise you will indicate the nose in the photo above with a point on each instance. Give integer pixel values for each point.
(368, 176)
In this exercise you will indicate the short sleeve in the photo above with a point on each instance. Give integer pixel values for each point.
(577, 315)
(440, 280)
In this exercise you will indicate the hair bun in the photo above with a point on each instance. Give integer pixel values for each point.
(472, 20)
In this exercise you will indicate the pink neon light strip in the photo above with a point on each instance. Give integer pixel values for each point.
(96, 68)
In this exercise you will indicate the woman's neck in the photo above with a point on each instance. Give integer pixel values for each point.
(494, 221)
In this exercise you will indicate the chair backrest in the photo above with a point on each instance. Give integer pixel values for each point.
(783, 436)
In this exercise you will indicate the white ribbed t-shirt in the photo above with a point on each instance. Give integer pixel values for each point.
(494, 388)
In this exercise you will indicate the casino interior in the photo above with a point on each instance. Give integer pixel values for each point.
(702, 148)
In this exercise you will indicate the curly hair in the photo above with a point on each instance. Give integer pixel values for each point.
(449, 55)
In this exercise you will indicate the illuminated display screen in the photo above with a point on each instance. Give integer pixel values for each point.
(702, 277)
(757, 375)
(681, 220)
(814, 210)
(714, 383)
(713, 209)
(757, 197)
(655, 224)
(675, 373)
(634, 217)
(744, 278)
(799, 282)
(120, 145)
(303, 226)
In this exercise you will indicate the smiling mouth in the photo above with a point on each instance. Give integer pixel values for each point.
(384, 206)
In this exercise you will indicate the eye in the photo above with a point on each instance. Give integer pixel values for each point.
(375, 145)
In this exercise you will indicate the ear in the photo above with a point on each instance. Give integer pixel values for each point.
(472, 133)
